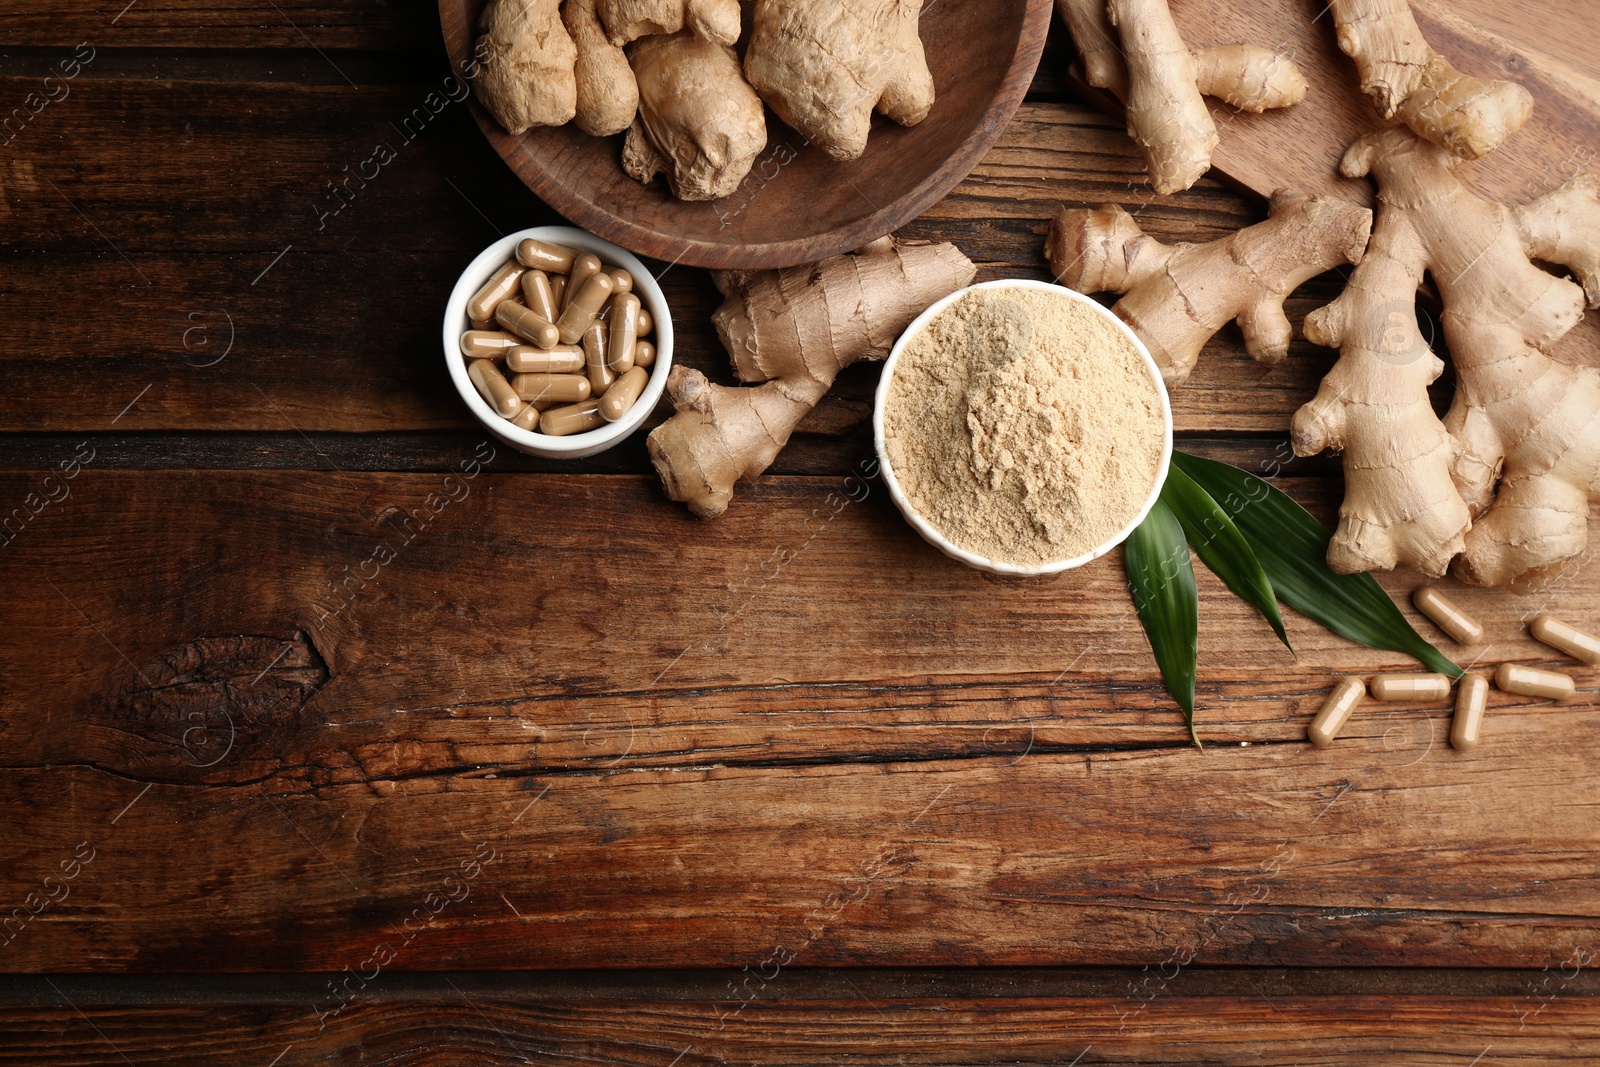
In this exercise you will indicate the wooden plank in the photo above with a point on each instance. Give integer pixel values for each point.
(721, 728)
(211, 24)
(340, 334)
(459, 1027)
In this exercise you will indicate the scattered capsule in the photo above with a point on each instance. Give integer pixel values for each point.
(523, 322)
(560, 388)
(622, 330)
(1462, 628)
(583, 305)
(487, 344)
(1336, 710)
(494, 388)
(572, 418)
(1471, 699)
(1410, 687)
(562, 359)
(541, 255)
(644, 354)
(647, 321)
(623, 394)
(594, 358)
(1533, 682)
(621, 280)
(501, 284)
(1563, 638)
(538, 296)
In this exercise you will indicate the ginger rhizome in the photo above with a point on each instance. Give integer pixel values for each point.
(607, 93)
(699, 121)
(1133, 48)
(1175, 297)
(528, 59)
(716, 21)
(825, 67)
(1408, 80)
(794, 330)
(1524, 428)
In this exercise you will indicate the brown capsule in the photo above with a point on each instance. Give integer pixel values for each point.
(1462, 628)
(584, 305)
(594, 358)
(572, 418)
(1533, 682)
(1563, 638)
(501, 284)
(586, 266)
(528, 417)
(481, 324)
(644, 354)
(622, 280)
(494, 388)
(647, 321)
(622, 329)
(541, 255)
(557, 388)
(523, 322)
(487, 344)
(1410, 687)
(1336, 710)
(623, 394)
(536, 294)
(558, 292)
(1471, 700)
(562, 359)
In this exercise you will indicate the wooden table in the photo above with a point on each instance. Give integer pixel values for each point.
(574, 776)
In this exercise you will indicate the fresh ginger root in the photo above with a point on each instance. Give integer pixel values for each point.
(1407, 79)
(699, 121)
(796, 329)
(528, 59)
(716, 21)
(607, 93)
(1525, 427)
(1133, 48)
(824, 67)
(1401, 504)
(1177, 296)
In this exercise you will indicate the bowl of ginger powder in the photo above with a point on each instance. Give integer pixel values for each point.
(1022, 428)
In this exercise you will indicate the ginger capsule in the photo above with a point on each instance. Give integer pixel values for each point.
(594, 358)
(501, 284)
(523, 322)
(621, 280)
(560, 388)
(537, 295)
(1461, 627)
(480, 324)
(487, 344)
(558, 291)
(562, 359)
(586, 266)
(622, 330)
(583, 305)
(1533, 682)
(528, 417)
(646, 321)
(623, 394)
(572, 418)
(494, 388)
(1563, 638)
(1336, 711)
(644, 354)
(541, 255)
(1410, 687)
(1471, 700)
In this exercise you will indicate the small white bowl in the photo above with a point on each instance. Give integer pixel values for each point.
(927, 529)
(539, 444)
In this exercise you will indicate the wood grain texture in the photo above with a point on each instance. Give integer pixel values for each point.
(797, 205)
(463, 1027)
(721, 728)
(217, 24)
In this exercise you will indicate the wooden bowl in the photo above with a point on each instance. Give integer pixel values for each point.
(797, 205)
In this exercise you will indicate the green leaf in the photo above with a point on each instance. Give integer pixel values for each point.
(1220, 545)
(1293, 548)
(1164, 594)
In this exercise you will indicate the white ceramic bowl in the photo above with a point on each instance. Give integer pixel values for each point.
(539, 444)
(927, 529)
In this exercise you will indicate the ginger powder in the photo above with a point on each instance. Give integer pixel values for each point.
(1023, 426)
